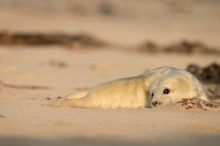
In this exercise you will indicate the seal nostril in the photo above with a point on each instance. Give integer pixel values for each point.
(152, 95)
(154, 103)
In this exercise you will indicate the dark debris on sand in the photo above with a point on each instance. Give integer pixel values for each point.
(38, 39)
(183, 47)
(209, 73)
(209, 76)
(195, 103)
(2, 116)
(188, 47)
(149, 47)
(57, 63)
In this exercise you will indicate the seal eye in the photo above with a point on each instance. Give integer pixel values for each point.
(166, 91)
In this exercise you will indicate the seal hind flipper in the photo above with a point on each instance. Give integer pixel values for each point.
(71, 99)
(74, 103)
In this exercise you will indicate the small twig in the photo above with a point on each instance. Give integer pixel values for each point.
(24, 86)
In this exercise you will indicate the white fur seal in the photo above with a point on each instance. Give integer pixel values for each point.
(160, 86)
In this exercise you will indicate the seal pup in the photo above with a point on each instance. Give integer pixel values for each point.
(160, 86)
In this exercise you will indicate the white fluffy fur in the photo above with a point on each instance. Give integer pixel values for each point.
(135, 92)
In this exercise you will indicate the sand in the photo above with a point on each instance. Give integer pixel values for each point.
(34, 76)
(28, 119)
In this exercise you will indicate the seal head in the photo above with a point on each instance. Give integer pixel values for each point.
(175, 86)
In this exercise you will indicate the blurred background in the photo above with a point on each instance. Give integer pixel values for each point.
(50, 48)
(100, 36)
(124, 22)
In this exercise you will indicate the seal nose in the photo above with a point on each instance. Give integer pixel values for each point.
(155, 103)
